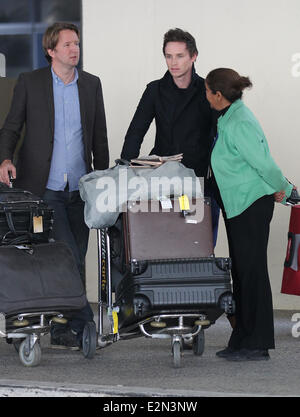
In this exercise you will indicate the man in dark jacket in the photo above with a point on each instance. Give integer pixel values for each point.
(183, 117)
(63, 113)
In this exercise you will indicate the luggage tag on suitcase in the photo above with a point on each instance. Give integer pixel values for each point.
(165, 203)
(184, 203)
(115, 321)
(185, 208)
(112, 314)
(37, 224)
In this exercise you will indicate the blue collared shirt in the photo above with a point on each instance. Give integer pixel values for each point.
(67, 164)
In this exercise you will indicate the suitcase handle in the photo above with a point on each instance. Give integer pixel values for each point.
(290, 250)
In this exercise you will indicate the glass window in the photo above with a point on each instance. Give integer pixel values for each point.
(14, 11)
(58, 10)
(22, 25)
(17, 50)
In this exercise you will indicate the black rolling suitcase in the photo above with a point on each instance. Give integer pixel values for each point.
(37, 273)
(24, 217)
(39, 277)
(165, 287)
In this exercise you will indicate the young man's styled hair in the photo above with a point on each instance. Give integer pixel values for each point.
(51, 35)
(179, 35)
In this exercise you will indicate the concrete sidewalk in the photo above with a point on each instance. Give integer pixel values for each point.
(144, 367)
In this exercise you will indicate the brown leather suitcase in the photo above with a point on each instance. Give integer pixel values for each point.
(166, 234)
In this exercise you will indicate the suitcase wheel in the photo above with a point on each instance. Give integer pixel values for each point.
(89, 340)
(31, 358)
(198, 343)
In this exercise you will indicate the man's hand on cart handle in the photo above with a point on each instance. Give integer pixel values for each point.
(7, 172)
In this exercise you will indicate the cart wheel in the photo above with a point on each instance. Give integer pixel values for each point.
(34, 356)
(176, 348)
(89, 340)
(198, 343)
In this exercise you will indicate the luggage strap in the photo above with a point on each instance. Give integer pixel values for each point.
(28, 238)
(10, 222)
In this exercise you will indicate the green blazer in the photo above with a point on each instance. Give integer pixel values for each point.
(243, 166)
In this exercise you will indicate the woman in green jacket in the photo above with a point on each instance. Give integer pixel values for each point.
(245, 179)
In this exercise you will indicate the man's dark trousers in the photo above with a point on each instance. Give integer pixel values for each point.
(69, 227)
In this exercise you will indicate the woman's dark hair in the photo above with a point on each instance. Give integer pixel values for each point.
(50, 38)
(179, 35)
(228, 82)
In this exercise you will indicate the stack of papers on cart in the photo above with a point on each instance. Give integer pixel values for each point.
(154, 160)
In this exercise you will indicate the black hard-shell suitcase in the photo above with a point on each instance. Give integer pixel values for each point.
(39, 277)
(23, 217)
(165, 287)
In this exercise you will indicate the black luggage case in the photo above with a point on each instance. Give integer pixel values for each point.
(171, 286)
(39, 277)
(23, 216)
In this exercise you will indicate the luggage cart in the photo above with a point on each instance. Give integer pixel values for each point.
(24, 331)
(185, 329)
(28, 315)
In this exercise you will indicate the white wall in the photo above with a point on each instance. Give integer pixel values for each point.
(122, 43)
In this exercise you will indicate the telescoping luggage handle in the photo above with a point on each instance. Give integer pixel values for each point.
(291, 260)
(9, 190)
(292, 253)
(10, 179)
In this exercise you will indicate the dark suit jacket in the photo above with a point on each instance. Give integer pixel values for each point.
(183, 122)
(33, 104)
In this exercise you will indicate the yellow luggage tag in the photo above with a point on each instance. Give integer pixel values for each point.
(37, 224)
(184, 203)
(115, 322)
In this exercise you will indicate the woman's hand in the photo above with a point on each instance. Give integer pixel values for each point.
(279, 196)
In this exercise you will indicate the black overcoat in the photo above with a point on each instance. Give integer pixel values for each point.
(182, 128)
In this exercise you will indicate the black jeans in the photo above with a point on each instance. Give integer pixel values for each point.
(69, 227)
(248, 235)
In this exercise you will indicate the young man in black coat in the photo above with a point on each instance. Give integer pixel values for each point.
(183, 117)
(63, 113)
